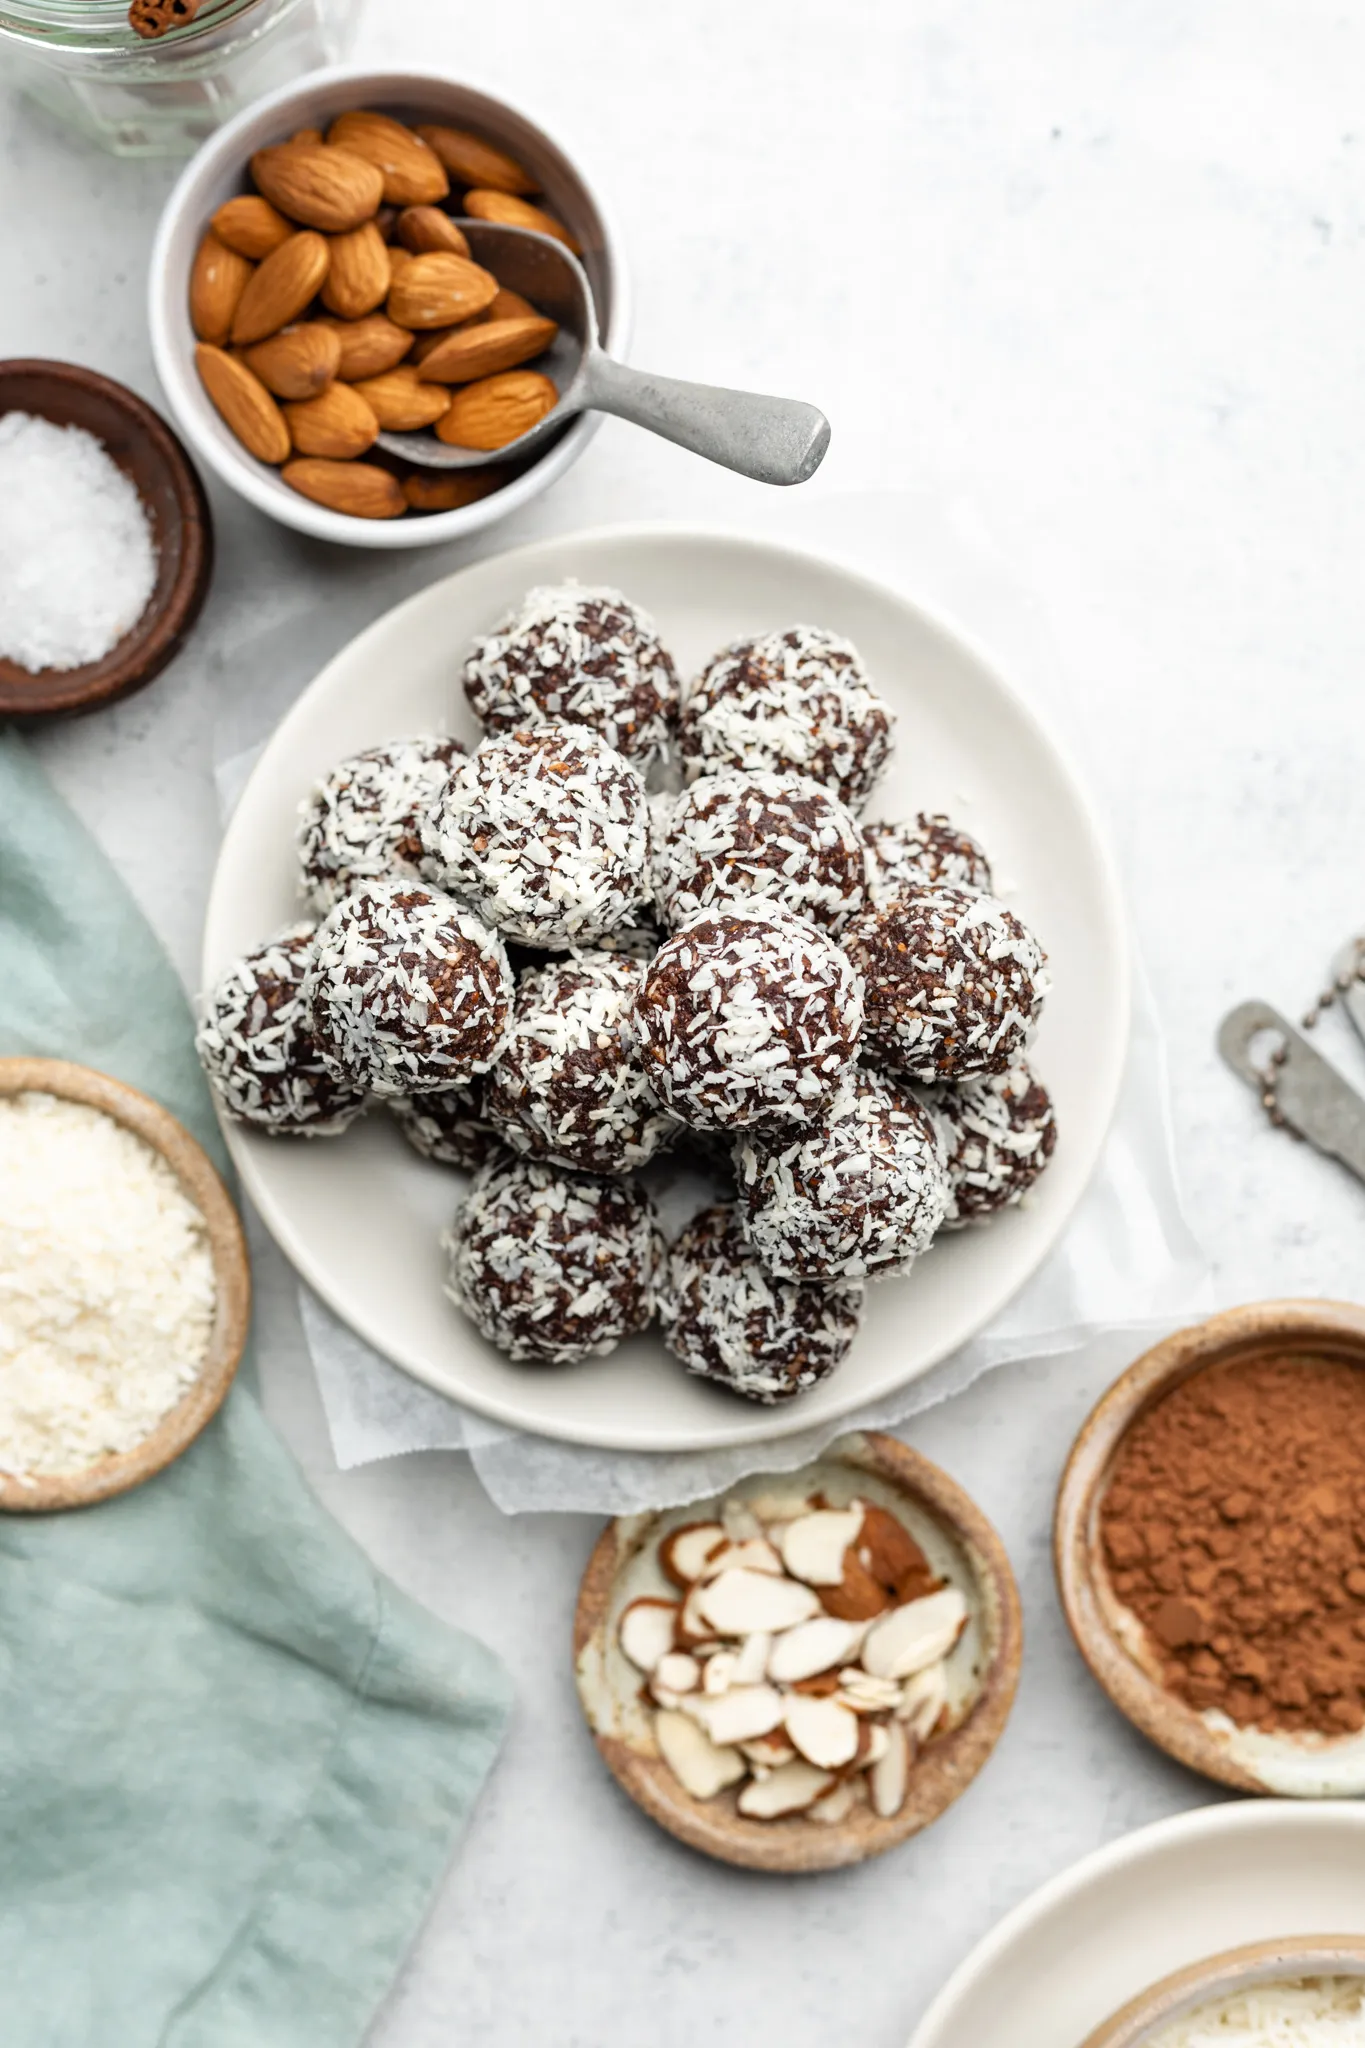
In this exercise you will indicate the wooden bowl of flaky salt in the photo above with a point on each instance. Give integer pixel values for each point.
(125, 1288)
(105, 535)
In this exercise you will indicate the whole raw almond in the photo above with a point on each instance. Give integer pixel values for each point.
(318, 185)
(424, 345)
(369, 346)
(421, 229)
(401, 400)
(359, 488)
(307, 135)
(298, 362)
(336, 423)
(244, 403)
(496, 410)
(472, 161)
(487, 347)
(218, 278)
(413, 173)
(357, 274)
(427, 491)
(251, 225)
(438, 290)
(280, 287)
(511, 212)
(511, 306)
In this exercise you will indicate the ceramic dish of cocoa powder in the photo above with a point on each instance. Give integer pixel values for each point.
(1209, 1541)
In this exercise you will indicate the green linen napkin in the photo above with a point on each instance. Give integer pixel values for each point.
(233, 1758)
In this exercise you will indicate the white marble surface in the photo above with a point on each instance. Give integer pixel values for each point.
(1101, 268)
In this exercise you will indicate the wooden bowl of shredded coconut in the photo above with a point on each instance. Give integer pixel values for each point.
(125, 1288)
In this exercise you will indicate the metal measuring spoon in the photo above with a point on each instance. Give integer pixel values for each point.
(774, 440)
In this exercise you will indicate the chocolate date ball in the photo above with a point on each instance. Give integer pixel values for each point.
(553, 1266)
(728, 1320)
(748, 835)
(796, 700)
(408, 990)
(448, 1125)
(587, 656)
(569, 1084)
(747, 1017)
(545, 833)
(860, 1193)
(955, 983)
(363, 821)
(1000, 1133)
(919, 854)
(256, 1044)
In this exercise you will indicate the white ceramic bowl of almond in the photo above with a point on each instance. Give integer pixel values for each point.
(222, 171)
(808, 1669)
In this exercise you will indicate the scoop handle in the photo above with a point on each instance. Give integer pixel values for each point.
(773, 440)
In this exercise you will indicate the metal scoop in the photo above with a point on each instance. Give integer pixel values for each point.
(774, 440)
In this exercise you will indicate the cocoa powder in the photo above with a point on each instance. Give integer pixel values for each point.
(1234, 1528)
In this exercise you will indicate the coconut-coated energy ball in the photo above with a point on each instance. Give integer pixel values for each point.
(544, 831)
(256, 1044)
(859, 1193)
(799, 699)
(587, 656)
(1000, 1132)
(569, 1084)
(448, 1125)
(730, 1321)
(408, 990)
(955, 983)
(748, 1016)
(553, 1266)
(363, 821)
(919, 854)
(751, 835)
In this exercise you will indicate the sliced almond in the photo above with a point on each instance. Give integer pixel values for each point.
(740, 1522)
(677, 1672)
(813, 1545)
(769, 1752)
(739, 1715)
(923, 1700)
(251, 225)
(740, 1603)
(890, 1553)
(684, 1551)
(889, 1776)
(858, 1596)
(645, 1632)
(812, 1646)
(755, 1554)
(909, 1638)
(837, 1804)
(512, 212)
(244, 403)
(280, 287)
(472, 161)
(876, 1742)
(693, 1630)
(789, 1789)
(695, 1761)
(825, 1733)
(423, 228)
(751, 1660)
(868, 1695)
(413, 174)
(720, 1673)
(218, 277)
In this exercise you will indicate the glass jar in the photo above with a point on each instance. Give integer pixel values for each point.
(82, 61)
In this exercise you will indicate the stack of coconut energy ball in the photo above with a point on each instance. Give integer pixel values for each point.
(553, 978)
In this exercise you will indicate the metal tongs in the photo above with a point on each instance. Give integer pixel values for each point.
(1298, 1088)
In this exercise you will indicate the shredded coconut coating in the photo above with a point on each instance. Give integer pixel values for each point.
(107, 1289)
(955, 983)
(545, 832)
(728, 1320)
(861, 1193)
(363, 821)
(257, 1045)
(919, 854)
(408, 990)
(799, 699)
(999, 1132)
(586, 656)
(448, 1125)
(1291, 2012)
(747, 835)
(748, 1016)
(569, 1084)
(553, 1266)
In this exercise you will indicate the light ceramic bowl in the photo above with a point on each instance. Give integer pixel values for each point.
(983, 1668)
(219, 171)
(1145, 2018)
(1068, 1958)
(1108, 1634)
(196, 1174)
(360, 1216)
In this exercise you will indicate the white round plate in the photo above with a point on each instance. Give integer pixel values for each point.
(360, 1216)
(1153, 1902)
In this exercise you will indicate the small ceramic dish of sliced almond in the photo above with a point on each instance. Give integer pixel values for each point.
(807, 1670)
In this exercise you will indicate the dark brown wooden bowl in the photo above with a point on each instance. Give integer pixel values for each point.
(147, 452)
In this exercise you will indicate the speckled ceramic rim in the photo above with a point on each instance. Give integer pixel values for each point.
(1236, 1969)
(943, 1769)
(1322, 1328)
(232, 1272)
